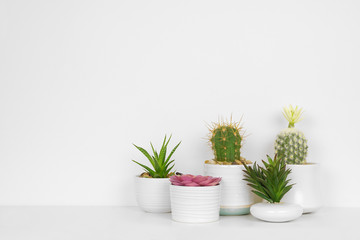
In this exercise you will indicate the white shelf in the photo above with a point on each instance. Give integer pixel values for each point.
(103, 223)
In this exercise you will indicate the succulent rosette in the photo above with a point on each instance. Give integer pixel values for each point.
(194, 181)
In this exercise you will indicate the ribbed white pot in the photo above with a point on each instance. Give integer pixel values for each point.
(195, 204)
(153, 194)
(305, 192)
(236, 195)
(276, 212)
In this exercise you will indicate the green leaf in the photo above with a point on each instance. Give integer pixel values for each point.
(172, 152)
(147, 155)
(168, 164)
(169, 169)
(260, 194)
(157, 167)
(151, 172)
(162, 153)
(154, 151)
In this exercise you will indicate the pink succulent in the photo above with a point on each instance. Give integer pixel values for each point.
(194, 181)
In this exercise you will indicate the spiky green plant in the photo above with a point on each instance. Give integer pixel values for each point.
(226, 141)
(269, 182)
(291, 144)
(161, 164)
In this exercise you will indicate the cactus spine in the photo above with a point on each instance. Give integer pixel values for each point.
(291, 144)
(226, 140)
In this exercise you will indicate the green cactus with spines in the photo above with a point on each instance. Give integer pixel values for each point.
(226, 141)
(291, 144)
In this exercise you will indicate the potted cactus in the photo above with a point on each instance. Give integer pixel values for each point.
(152, 186)
(291, 146)
(271, 183)
(226, 139)
(195, 199)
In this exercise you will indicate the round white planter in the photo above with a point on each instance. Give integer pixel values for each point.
(153, 194)
(305, 192)
(236, 195)
(195, 204)
(276, 212)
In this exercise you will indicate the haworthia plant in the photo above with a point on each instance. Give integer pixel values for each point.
(161, 165)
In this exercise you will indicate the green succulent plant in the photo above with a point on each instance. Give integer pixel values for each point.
(161, 164)
(271, 181)
(291, 144)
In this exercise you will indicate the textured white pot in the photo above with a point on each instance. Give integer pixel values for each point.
(195, 204)
(236, 195)
(276, 212)
(153, 194)
(305, 192)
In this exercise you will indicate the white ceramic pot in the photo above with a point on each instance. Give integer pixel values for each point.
(276, 212)
(305, 192)
(153, 194)
(195, 204)
(236, 195)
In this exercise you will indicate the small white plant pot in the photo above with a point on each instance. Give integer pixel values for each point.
(195, 204)
(153, 194)
(305, 192)
(276, 212)
(236, 195)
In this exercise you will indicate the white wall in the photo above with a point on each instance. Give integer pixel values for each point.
(80, 81)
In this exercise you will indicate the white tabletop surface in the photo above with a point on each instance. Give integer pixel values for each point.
(102, 223)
